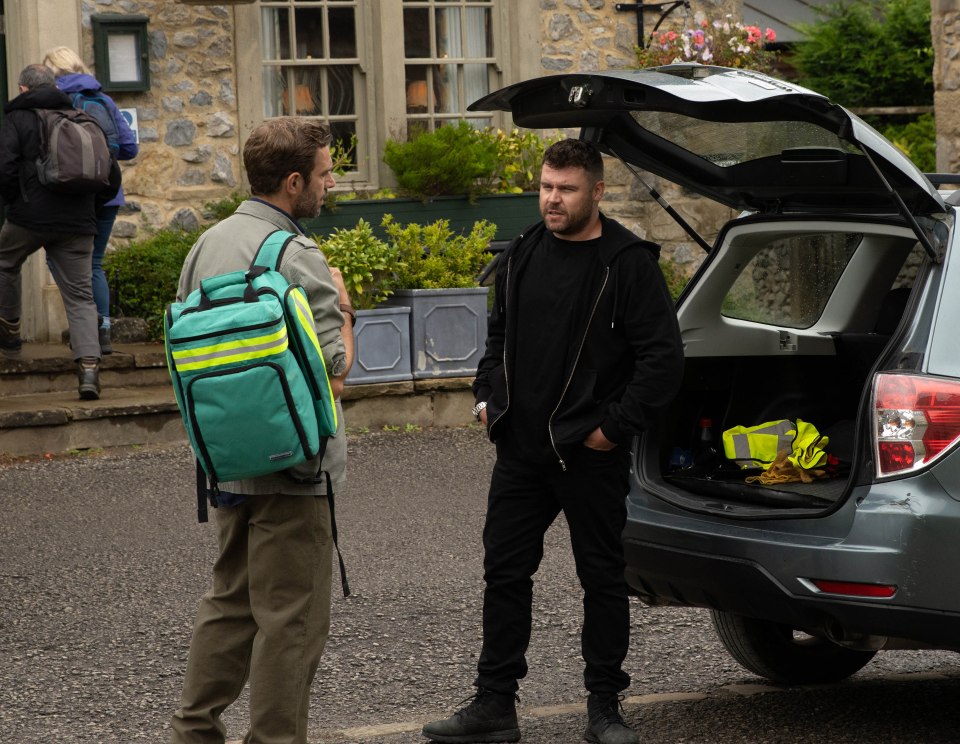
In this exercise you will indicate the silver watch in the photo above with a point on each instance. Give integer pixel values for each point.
(477, 408)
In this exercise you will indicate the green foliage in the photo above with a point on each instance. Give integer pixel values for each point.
(519, 159)
(223, 208)
(433, 256)
(676, 280)
(876, 53)
(449, 160)
(144, 275)
(368, 264)
(917, 140)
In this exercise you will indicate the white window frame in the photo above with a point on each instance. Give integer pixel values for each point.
(381, 104)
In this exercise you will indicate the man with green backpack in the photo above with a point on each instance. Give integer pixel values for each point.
(266, 617)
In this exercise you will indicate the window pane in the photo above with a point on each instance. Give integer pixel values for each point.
(479, 33)
(724, 145)
(418, 89)
(340, 90)
(274, 90)
(416, 33)
(476, 82)
(309, 29)
(789, 282)
(275, 33)
(343, 144)
(343, 33)
(308, 95)
(449, 43)
(446, 89)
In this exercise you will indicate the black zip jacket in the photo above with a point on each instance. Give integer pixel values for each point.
(627, 357)
(43, 210)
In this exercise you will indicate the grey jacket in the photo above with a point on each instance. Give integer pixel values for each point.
(231, 246)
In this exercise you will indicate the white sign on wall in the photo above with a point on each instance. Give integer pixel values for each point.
(130, 114)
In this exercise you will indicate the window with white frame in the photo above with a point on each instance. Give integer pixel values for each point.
(311, 62)
(345, 62)
(449, 60)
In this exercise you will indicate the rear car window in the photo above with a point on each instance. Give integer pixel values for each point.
(788, 282)
(726, 146)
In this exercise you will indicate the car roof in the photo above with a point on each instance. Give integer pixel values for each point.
(743, 138)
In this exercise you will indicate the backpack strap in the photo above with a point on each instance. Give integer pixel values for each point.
(270, 253)
(333, 531)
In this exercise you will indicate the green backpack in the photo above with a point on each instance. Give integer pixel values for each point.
(248, 374)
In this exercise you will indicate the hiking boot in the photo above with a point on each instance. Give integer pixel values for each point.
(605, 724)
(10, 343)
(488, 717)
(88, 373)
(105, 346)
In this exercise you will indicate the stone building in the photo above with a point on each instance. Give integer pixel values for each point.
(205, 73)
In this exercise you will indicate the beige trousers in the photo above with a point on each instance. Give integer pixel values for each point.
(265, 619)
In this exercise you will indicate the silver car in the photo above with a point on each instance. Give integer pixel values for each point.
(834, 300)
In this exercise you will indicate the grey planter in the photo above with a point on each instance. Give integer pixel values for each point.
(382, 346)
(448, 330)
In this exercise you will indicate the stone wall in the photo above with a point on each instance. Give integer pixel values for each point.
(945, 29)
(590, 35)
(189, 141)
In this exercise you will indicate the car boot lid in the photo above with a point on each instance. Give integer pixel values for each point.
(742, 138)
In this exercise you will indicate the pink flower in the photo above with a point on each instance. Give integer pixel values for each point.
(770, 35)
(753, 34)
(671, 35)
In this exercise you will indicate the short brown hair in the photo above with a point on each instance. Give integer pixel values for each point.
(574, 153)
(279, 147)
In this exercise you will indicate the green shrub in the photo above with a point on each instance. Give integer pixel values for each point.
(448, 161)
(433, 256)
(869, 54)
(917, 140)
(519, 159)
(144, 275)
(676, 280)
(368, 265)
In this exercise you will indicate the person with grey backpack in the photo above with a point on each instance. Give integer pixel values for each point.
(61, 221)
(87, 95)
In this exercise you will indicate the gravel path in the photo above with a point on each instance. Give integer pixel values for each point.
(102, 565)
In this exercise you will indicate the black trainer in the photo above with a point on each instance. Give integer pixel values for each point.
(10, 343)
(88, 374)
(605, 724)
(488, 717)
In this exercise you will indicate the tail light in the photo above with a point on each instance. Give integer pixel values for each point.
(917, 420)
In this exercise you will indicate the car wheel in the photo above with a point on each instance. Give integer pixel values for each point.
(778, 653)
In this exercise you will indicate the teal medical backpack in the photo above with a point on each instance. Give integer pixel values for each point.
(248, 373)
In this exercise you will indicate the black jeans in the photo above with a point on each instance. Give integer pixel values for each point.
(524, 500)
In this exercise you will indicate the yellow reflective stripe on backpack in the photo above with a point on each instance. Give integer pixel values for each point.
(305, 318)
(230, 352)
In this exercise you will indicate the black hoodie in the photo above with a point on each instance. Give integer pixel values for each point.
(626, 358)
(43, 210)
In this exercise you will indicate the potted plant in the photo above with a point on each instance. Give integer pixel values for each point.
(457, 173)
(436, 278)
(382, 332)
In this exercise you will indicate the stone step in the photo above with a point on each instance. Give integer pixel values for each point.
(40, 411)
(50, 368)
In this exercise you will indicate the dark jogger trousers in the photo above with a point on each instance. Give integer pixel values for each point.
(524, 500)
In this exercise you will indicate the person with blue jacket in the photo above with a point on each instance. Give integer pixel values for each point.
(75, 80)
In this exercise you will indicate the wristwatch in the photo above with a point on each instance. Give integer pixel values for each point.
(477, 408)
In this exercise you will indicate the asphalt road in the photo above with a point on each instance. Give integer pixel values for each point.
(102, 565)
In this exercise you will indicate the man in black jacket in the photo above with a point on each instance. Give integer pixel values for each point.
(583, 348)
(37, 217)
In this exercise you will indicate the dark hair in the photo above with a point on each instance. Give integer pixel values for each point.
(36, 76)
(574, 153)
(279, 147)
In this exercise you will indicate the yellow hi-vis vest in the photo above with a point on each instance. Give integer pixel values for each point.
(757, 446)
